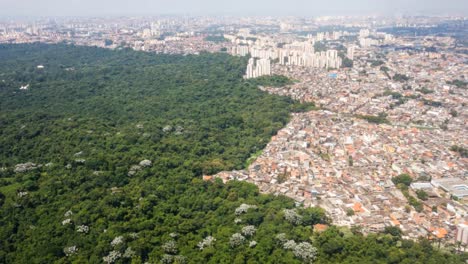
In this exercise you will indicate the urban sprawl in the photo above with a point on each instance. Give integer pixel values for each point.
(390, 92)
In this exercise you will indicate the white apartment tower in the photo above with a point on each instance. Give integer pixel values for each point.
(462, 234)
(364, 33)
(350, 52)
(257, 68)
(240, 50)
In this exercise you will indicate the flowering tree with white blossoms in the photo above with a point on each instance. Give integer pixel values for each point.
(281, 238)
(117, 241)
(248, 230)
(290, 244)
(68, 213)
(305, 251)
(302, 250)
(170, 247)
(169, 259)
(236, 240)
(206, 242)
(129, 253)
(179, 259)
(112, 257)
(292, 216)
(66, 221)
(243, 208)
(70, 250)
(82, 229)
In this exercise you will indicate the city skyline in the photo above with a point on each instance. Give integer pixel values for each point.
(240, 7)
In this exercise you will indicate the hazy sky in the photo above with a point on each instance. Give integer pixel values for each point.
(229, 7)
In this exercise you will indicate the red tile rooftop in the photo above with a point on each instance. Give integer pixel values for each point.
(320, 227)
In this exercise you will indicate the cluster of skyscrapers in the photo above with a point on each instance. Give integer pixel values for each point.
(294, 54)
(368, 38)
(264, 50)
(325, 59)
(321, 36)
(257, 68)
(241, 50)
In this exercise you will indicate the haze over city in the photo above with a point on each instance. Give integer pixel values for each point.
(241, 131)
(240, 7)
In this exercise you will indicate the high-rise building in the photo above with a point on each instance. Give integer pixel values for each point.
(367, 42)
(333, 60)
(388, 38)
(257, 68)
(263, 53)
(462, 234)
(328, 59)
(350, 52)
(240, 50)
(244, 32)
(320, 36)
(364, 33)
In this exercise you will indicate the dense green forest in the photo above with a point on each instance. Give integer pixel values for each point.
(216, 38)
(102, 155)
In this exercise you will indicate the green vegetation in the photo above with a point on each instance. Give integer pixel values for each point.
(422, 195)
(124, 137)
(376, 63)
(303, 107)
(271, 81)
(413, 202)
(425, 90)
(458, 83)
(432, 103)
(400, 77)
(108, 42)
(346, 62)
(404, 179)
(395, 95)
(282, 177)
(94, 114)
(413, 96)
(336, 246)
(393, 230)
(401, 99)
(320, 46)
(252, 158)
(380, 119)
(460, 150)
(216, 39)
(385, 69)
(325, 156)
